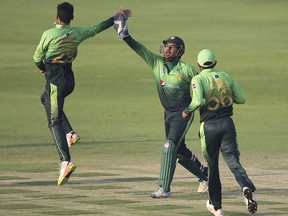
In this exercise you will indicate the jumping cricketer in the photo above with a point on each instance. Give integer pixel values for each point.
(54, 56)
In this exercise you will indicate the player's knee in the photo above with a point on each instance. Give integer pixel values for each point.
(168, 145)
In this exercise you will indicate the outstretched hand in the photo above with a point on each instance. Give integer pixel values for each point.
(125, 12)
(120, 23)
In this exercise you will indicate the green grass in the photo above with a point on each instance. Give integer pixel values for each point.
(116, 110)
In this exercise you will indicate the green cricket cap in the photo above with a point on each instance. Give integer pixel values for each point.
(206, 58)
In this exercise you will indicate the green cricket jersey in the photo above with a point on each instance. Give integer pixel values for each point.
(174, 86)
(215, 92)
(59, 44)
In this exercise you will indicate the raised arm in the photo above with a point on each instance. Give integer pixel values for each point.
(121, 28)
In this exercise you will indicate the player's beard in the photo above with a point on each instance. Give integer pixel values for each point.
(173, 58)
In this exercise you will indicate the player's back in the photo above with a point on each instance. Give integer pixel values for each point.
(218, 93)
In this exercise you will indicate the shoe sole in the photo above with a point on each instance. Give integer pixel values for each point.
(203, 190)
(252, 204)
(160, 197)
(211, 210)
(66, 176)
(74, 141)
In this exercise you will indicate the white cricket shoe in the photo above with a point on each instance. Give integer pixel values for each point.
(72, 138)
(66, 169)
(203, 187)
(211, 209)
(160, 193)
(249, 200)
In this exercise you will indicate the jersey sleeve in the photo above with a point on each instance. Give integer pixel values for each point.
(39, 54)
(197, 98)
(148, 56)
(238, 94)
(90, 31)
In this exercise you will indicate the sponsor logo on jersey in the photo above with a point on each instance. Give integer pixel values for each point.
(168, 85)
(194, 85)
(162, 70)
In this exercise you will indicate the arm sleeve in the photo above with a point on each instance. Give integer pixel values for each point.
(141, 50)
(90, 31)
(238, 94)
(40, 65)
(40, 53)
(197, 98)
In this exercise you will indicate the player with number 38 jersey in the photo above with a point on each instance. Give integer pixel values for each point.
(53, 56)
(59, 44)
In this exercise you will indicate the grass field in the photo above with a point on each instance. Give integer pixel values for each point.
(116, 110)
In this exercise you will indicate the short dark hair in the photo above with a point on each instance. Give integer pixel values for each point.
(65, 12)
(208, 65)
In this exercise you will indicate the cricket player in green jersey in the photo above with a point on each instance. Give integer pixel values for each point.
(173, 79)
(54, 56)
(214, 93)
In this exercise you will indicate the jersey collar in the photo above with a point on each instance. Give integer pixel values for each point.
(207, 70)
(59, 26)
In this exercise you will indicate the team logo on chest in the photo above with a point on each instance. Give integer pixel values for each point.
(179, 76)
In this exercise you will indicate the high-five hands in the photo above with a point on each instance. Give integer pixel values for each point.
(125, 12)
(120, 23)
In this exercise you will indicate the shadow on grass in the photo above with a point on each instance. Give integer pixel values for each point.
(98, 142)
(85, 182)
(116, 180)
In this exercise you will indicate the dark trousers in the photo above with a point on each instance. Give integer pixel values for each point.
(59, 84)
(175, 125)
(220, 135)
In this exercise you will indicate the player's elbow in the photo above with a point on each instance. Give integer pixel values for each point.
(195, 105)
(239, 100)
